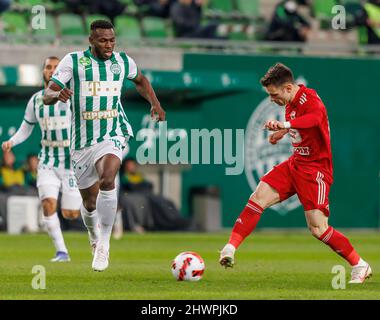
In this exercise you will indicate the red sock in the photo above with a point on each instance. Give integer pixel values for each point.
(341, 245)
(246, 223)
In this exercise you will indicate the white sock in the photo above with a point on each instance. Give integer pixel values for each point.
(106, 205)
(90, 220)
(361, 263)
(54, 230)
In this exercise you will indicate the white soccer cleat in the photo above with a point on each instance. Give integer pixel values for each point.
(227, 259)
(100, 261)
(93, 246)
(360, 273)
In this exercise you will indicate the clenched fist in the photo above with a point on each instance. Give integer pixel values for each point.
(7, 146)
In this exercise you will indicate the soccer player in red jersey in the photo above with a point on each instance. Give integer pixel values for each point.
(307, 173)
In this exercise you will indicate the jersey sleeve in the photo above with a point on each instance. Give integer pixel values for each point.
(64, 71)
(133, 71)
(312, 118)
(30, 115)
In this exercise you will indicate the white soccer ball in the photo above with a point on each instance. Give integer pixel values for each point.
(188, 266)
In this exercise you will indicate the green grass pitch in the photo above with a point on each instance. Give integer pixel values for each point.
(268, 266)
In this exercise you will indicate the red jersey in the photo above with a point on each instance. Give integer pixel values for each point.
(310, 131)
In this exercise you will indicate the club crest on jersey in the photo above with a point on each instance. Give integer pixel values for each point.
(115, 68)
(39, 102)
(260, 155)
(293, 115)
(85, 61)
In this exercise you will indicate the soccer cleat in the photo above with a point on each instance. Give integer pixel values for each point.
(61, 256)
(100, 261)
(93, 246)
(227, 256)
(360, 273)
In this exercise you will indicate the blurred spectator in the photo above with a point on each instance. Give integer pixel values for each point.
(157, 8)
(131, 180)
(30, 171)
(141, 208)
(12, 182)
(136, 212)
(109, 8)
(10, 177)
(287, 24)
(187, 17)
(368, 17)
(4, 5)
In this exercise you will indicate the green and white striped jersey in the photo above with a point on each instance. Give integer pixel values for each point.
(97, 85)
(55, 123)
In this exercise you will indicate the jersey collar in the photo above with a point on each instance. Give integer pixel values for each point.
(298, 95)
(88, 51)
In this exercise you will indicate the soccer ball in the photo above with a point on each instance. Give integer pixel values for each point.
(188, 266)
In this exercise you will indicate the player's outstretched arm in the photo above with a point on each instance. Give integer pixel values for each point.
(277, 136)
(20, 136)
(144, 88)
(54, 93)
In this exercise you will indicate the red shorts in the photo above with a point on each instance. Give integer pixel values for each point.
(311, 184)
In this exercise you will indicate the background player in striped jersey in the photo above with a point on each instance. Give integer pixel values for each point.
(54, 169)
(94, 79)
(307, 173)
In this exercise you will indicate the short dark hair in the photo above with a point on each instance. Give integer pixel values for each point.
(102, 24)
(277, 75)
(49, 58)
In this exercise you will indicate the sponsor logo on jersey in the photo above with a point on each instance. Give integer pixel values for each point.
(115, 68)
(260, 155)
(100, 88)
(55, 123)
(302, 151)
(55, 144)
(100, 115)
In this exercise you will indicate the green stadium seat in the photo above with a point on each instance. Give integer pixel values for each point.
(248, 7)
(322, 11)
(154, 27)
(71, 24)
(242, 32)
(322, 8)
(15, 23)
(222, 5)
(127, 27)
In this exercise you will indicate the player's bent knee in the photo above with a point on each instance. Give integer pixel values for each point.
(106, 183)
(49, 206)
(89, 204)
(70, 214)
(265, 196)
(317, 231)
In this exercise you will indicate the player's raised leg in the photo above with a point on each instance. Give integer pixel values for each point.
(264, 197)
(106, 205)
(318, 225)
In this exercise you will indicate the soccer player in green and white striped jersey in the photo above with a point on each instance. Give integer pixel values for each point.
(93, 79)
(54, 170)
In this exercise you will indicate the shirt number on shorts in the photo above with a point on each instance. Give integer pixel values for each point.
(117, 144)
(72, 183)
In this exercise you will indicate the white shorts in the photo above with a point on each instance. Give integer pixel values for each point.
(84, 160)
(51, 180)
